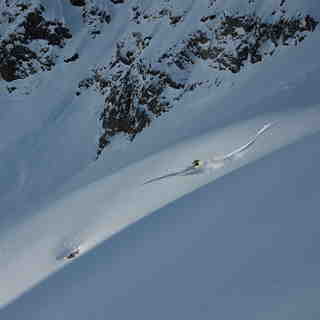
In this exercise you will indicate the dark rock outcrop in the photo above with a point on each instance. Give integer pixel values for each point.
(78, 3)
(117, 1)
(18, 58)
(135, 87)
(72, 58)
(135, 91)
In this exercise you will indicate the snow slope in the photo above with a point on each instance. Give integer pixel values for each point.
(234, 240)
(221, 251)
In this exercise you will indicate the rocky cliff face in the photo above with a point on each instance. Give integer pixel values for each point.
(31, 45)
(137, 86)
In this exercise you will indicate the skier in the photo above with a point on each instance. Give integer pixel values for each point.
(197, 164)
(215, 162)
(72, 254)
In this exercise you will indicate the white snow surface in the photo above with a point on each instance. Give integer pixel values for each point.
(235, 239)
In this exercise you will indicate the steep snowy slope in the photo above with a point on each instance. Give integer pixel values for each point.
(99, 97)
(52, 130)
(246, 244)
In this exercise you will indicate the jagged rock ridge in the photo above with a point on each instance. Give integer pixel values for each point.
(136, 90)
(33, 40)
(30, 48)
(136, 87)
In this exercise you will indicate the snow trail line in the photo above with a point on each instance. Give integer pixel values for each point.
(245, 146)
(215, 162)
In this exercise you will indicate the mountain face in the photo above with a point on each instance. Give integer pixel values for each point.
(137, 85)
(205, 112)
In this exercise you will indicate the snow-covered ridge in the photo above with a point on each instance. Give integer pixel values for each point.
(137, 83)
(138, 86)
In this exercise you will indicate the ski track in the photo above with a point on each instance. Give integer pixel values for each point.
(215, 162)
